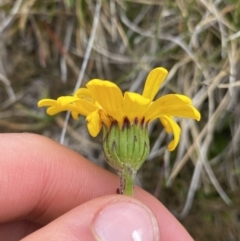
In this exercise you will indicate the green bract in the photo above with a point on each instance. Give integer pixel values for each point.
(126, 148)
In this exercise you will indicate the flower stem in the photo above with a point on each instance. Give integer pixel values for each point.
(127, 176)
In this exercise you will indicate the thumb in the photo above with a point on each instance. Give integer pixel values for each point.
(108, 218)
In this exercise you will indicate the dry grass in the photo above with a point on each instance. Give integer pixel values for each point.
(50, 48)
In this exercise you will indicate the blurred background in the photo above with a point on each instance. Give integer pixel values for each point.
(50, 48)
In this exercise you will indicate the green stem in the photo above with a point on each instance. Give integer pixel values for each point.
(127, 176)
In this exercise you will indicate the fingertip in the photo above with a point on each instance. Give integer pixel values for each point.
(126, 219)
(108, 218)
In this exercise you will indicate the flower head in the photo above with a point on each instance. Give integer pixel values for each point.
(103, 103)
(124, 119)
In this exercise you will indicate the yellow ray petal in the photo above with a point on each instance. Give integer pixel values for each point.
(84, 93)
(179, 109)
(78, 109)
(94, 123)
(186, 111)
(173, 99)
(109, 97)
(134, 105)
(84, 109)
(53, 110)
(47, 102)
(171, 127)
(73, 103)
(153, 82)
(74, 115)
(105, 118)
(165, 123)
(85, 105)
(165, 101)
(65, 100)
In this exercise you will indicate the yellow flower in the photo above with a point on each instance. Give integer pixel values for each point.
(103, 103)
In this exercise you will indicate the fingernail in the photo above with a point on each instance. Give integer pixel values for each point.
(124, 220)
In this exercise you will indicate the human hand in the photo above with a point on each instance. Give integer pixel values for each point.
(48, 192)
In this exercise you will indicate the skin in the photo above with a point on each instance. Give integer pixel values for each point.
(44, 185)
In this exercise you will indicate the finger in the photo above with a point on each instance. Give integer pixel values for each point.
(108, 218)
(43, 180)
(16, 230)
(36, 172)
